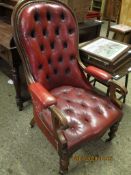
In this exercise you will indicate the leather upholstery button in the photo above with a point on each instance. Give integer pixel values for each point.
(40, 66)
(86, 120)
(60, 59)
(48, 16)
(32, 33)
(42, 47)
(62, 16)
(83, 105)
(57, 31)
(70, 30)
(55, 71)
(68, 111)
(37, 16)
(72, 57)
(49, 61)
(67, 70)
(68, 101)
(98, 110)
(47, 77)
(45, 33)
(65, 44)
(52, 45)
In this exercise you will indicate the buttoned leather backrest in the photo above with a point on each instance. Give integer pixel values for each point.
(49, 35)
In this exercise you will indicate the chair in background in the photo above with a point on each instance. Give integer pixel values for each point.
(66, 107)
(121, 31)
(93, 15)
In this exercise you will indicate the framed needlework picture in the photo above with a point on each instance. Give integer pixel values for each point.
(105, 49)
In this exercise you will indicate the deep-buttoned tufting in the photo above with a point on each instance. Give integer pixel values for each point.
(88, 113)
(50, 39)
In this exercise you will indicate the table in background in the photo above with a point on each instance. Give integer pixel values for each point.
(89, 30)
(123, 71)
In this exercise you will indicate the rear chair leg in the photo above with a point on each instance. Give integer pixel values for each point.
(32, 122)
(112, 132)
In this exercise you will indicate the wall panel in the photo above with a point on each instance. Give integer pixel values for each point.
(125, 16)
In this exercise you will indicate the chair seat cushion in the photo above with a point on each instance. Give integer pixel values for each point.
(89, 114)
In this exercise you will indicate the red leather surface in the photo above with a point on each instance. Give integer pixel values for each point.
(98, 73)
(50, 38)
(88, 114)
(40, 96)
(93, 14)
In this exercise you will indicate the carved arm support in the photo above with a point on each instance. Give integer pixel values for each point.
(115, 88)
(43, 99)
(59, 123)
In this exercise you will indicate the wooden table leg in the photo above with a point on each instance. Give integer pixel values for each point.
(16, 77)
(126, 84)
(16, 81)
(126, 80)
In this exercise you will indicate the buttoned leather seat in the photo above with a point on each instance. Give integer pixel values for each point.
(66, 107)
(88, 114)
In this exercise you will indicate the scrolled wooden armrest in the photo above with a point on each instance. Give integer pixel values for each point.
(113, 88)
(59, 123)
(58, 115)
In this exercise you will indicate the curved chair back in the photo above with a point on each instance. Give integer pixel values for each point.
(49, 35)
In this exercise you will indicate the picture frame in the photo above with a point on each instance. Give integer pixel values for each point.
(105, 49)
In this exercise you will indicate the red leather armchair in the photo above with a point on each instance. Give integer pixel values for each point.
(66, 107)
